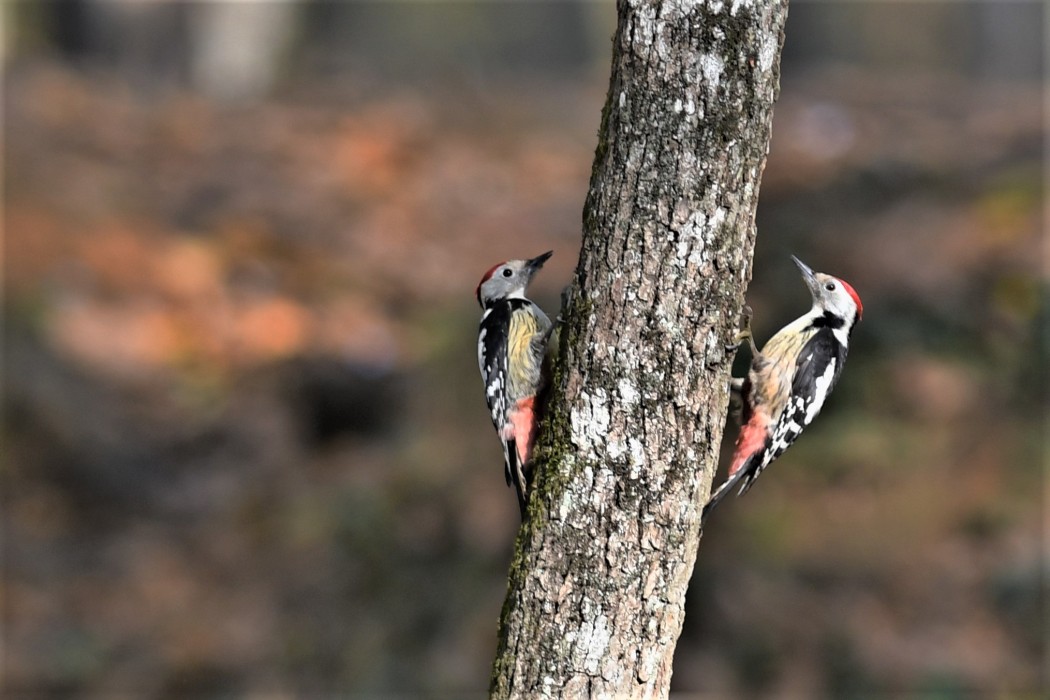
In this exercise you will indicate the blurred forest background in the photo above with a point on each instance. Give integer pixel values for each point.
(246, 451)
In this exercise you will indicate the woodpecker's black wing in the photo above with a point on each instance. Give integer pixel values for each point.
(816, 372)
(492, 359)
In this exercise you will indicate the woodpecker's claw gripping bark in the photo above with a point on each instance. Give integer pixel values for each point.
(744, 333)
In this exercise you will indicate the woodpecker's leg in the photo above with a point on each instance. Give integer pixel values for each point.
(744, 334)
(566, 292)
(559, 320)
(737, 399)
(736, 384)
(545, 338)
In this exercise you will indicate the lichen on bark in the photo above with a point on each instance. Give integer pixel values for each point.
(596, 594)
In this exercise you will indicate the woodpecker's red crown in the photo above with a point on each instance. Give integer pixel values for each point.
(486, 277)
(853, 293)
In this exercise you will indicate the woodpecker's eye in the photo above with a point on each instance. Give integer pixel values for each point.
(830, 286)
(507, 272)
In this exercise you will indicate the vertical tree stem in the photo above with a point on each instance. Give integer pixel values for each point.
(596, 595)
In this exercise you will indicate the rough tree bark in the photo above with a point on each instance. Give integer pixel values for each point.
(597, 587)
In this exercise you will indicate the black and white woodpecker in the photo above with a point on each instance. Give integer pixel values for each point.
(512, 351)
(790, 378)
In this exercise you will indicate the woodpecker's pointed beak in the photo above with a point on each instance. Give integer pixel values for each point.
(536, 263)
(808, 276)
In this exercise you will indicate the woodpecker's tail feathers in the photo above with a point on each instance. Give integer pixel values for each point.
(510, 454)
(515, 473)
(720, 493)
(749, 481)
(519, 488)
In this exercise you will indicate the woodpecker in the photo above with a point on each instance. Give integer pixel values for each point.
(790, 378)
(512, 349)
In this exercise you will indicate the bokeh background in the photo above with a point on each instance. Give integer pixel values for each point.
(245, 445)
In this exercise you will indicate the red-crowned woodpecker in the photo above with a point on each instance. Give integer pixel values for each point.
(790, 378)
(512, 348)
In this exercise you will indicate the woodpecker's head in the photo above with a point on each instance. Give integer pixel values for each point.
(509, 279)
(831, 294)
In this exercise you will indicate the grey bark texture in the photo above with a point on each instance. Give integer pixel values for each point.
(630, 445)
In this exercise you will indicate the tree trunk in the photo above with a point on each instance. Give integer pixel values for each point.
(626, 458)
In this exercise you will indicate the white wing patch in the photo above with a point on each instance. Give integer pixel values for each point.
(842, 335)
(822, 386)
